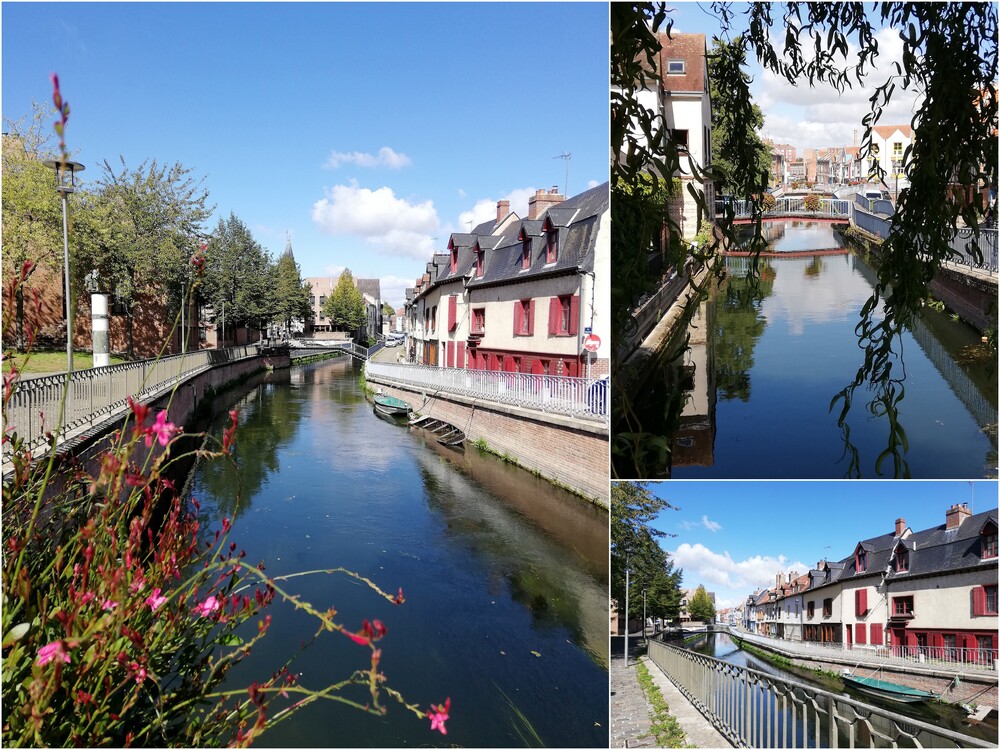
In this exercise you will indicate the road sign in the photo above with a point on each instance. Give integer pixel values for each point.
(592, 343)
(588, 330)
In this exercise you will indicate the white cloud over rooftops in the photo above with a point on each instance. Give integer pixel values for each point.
(386, 157)
(738, 575)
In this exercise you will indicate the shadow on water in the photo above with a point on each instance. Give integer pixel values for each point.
(938, 713)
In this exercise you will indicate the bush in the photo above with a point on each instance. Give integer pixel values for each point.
(811, 202)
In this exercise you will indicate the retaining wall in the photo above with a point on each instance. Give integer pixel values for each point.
(570, 452)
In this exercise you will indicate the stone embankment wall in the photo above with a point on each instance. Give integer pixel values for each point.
(569, 452)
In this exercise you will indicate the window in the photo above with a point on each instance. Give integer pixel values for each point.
(897, 150)
(902, 559)
(877, 638)
(563, 315)
(452, 312)
(990, 541)
(675, 67)
(902, 606)
(551, 243)
(861, 560)
(984, 600)
(434, 315)
(860, 602)
(680, 139)
(827, 607)
(322, 303)
(810, 610)
(479, 320)
(454, 259)
(524, 314)
(525, 252)
(480, 258)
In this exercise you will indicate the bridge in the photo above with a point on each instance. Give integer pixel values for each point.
(830, 209)
(306, 348)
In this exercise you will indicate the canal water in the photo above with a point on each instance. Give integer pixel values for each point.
(721, 646)
(505, 576)
(763, 364)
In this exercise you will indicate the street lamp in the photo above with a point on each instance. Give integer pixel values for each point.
(626, 609)
(65, 173)
(645, 638)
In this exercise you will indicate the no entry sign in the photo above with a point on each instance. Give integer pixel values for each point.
(592, 342)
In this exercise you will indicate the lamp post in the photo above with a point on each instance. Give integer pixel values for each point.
(65, 172)
(645, 638)
(98, 319)
(626, 610)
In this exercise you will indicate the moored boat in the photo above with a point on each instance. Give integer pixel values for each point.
(888, 690)
(391, 406)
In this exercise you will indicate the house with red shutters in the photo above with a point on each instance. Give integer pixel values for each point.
(931, 592)
(521, 295)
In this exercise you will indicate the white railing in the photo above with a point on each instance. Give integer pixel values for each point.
(99, 394)
(828, 207)
(940, 658)
(586, 398)
(755, 709)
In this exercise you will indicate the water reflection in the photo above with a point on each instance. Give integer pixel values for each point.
(502, 614)
(756, 392)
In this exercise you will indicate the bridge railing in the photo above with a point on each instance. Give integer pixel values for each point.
(756, 709)
(963, 242)
(828, 207)
(585, 398)
(100, 393)
(879, 206)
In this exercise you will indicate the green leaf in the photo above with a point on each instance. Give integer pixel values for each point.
(16, 633)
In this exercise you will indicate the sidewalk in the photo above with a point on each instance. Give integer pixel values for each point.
(630, 712)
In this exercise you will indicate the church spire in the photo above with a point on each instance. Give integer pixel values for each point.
(288, 246)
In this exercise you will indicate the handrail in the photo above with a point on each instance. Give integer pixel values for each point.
(755, 709)
(100, 393)
(585, 398)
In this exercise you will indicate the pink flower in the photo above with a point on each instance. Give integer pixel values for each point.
(52, 651)
(439, 716)
(155, 601)
(140, 672)
(163, 430)
(207, 607)
(109, 605)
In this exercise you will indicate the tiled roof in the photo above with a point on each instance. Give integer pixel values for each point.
(886, 131)
(691, 49)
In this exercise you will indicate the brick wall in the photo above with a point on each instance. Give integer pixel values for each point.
(569, 452)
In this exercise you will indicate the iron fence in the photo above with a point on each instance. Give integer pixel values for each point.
(586, 398)
(756, 709)
(880, 206)
(101, 393)
(936, 657)
(964, 241)
(871, 223)
(828, 207)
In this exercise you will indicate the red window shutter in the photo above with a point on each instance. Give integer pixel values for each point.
(555, 313)
(450, 353)
(860, 636)
(574, 315)
(518, 318)
(460, 357)
(877, 638)
(979, 600)
(531, 317)
(452, 312)
(860, 602)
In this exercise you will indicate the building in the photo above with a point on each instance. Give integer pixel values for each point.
(889, 143)
(519, 295)
(686, 596)
(321, 327)
(686, 104)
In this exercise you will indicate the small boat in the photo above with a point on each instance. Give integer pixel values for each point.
(391, 406)
(888, 690)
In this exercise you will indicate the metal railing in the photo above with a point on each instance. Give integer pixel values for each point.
(933, 657)
(868, 221)
(756, 709)
(100, 393)
(828, 207)
(875, 205)
(965, 239)
(586, 398)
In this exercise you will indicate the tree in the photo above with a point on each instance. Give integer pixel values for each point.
(634, 544)
(949, 54)
(32, 218)
(291, 298)
(147, 224)
(346, 307)
(240, 276)
(700, 607)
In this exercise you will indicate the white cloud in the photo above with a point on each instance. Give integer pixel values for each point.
(710, 525)
(385, 157)
(486, 208)
(391, 225)
(592, 184)
(394, 289)
(722, 570)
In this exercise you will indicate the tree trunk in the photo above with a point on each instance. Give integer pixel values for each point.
(19, 318)
(129, 343)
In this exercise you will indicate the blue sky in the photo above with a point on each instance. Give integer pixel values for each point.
(807, 117)
(734, 536)
(368, 131)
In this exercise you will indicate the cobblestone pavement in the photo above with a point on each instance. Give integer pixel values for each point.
(629, 710)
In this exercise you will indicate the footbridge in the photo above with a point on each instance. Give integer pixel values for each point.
(787, 208)
(305, 348)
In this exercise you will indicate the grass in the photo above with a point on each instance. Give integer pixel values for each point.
(49, 362)
(664, 728)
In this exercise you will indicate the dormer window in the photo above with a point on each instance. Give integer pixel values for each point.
(902, 559)
(675, 67)
(551, 243)
(989, 535)
(480, 258)
(454, 259)
(525, 252)
(861, 560)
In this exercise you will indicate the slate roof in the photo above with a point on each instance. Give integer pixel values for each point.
(371, 287)
(577, 221)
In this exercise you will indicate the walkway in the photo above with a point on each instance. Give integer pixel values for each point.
(630, 712)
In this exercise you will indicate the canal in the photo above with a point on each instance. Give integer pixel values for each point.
(947, 716)
(505, 576)
(763, 363)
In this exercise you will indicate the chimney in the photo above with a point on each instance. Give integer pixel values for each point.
(778, 579)
(540, 202)
(956, 514)
(503, 208)
(900, 526)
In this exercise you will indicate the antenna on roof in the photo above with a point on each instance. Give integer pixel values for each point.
(566, 156)
(972, 498)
